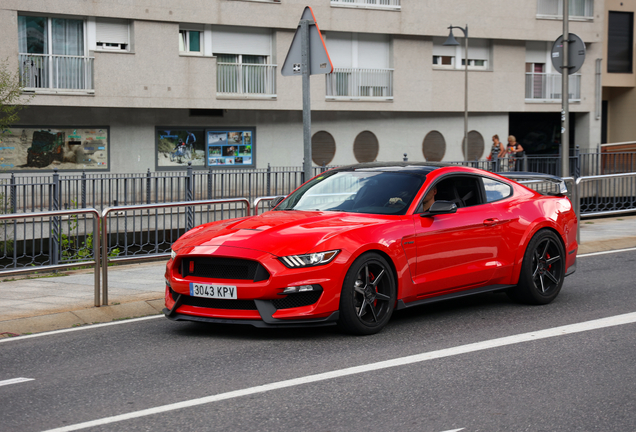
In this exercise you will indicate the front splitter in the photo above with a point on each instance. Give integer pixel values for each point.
(315, 322)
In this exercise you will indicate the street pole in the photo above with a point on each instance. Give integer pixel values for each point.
(565, 112)
(304, 33)
(466, 95)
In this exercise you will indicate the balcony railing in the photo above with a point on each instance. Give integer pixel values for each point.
(578, 9)
(547, 87)
(56, 72)
(246, 80)
(371, 4)
(350, 83)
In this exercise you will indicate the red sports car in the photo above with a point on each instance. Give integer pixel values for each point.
(354, 243)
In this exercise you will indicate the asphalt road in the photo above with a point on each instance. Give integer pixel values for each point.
(461, 373)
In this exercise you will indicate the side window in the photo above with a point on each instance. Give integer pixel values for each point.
(464, 191)
(496, 190)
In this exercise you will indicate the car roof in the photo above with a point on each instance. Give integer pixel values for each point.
(410, 167)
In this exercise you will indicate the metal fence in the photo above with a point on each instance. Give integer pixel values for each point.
(547, 86)
(242, 79)
(609, 194)
(360, 83)
(52, 71)
(135, 233)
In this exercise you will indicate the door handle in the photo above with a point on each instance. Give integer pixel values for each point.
(491, 222)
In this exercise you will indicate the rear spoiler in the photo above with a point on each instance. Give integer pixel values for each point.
(528, 177)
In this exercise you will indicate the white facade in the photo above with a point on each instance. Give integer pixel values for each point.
(136, 66)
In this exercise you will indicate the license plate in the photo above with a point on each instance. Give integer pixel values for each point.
(213, 291)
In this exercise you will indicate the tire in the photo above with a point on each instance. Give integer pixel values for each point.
(542, 270)
(368, 295)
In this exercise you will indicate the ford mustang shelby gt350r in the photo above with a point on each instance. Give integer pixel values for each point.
(354, 243)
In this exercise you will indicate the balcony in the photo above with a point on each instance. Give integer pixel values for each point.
(246, 81)
(360, 84)
(545, 87)
(56, 73)
(579, 10)
(368, 4)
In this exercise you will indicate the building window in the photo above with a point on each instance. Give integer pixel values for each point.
(363, 67)
(323, 148)
(620, 42)
(52, 54)
(445, 57)
(444, 60)
(190, 41)
(543, 84)
(578, 9)
(366, 147)
(244, 66)
(112, 34)
(434, 146)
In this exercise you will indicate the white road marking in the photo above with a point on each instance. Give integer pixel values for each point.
(455, 430)
(402, 361)
(605, 252)
(86, 327)
(15, 381)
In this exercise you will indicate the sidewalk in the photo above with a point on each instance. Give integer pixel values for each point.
(37, 304)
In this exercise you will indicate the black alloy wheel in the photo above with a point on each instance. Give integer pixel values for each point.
(368, 295)
(542, 271)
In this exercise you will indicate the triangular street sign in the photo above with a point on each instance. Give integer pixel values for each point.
(319, 61)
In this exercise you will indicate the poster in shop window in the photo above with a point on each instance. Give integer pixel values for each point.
(177, 147)
(46, 148)
(230, 148)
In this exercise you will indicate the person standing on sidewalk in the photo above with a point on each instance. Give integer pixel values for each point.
(517, 152)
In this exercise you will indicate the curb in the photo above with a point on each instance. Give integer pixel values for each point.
(607, 245)
(62, 320)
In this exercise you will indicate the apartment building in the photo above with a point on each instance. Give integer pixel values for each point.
(132, 85)
(619, 80)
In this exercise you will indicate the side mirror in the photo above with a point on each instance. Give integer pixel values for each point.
(276, 201)
(441, 207)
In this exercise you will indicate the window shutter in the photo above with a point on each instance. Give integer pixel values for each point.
(434, 146)
(475, 145)
(251, 41)
(365, 147)
(112, 31)
(323, 148)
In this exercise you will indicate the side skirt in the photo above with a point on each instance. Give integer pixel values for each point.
(489, 288)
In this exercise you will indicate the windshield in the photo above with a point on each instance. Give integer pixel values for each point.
(357, 192)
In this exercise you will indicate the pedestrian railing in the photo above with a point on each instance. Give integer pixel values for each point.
(609, 194)
(154, 227)
(50, 240)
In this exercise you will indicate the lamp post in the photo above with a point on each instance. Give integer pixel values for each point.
(451, 41)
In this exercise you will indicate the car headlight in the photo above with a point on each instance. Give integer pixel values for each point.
(173, 254)
(308, 260)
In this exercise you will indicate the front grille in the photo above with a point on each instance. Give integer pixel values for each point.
(297, 300)
(214, 303)
(223, 268)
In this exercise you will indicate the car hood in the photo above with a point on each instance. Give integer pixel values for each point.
(277, 232)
